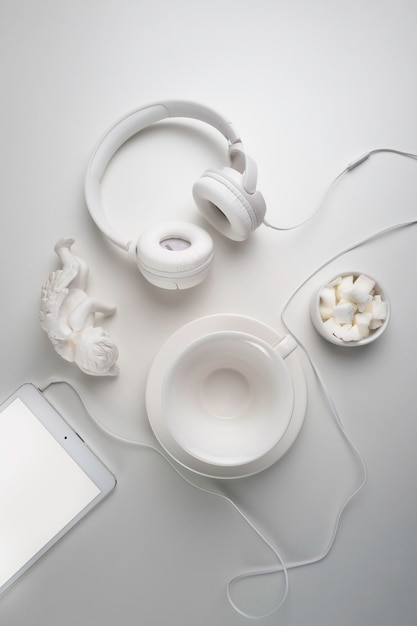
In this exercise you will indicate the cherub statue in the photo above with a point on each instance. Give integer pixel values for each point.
(67, 316)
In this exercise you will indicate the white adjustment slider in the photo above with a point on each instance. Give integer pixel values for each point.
(244, 164)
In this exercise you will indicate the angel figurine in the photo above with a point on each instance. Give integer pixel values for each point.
(67, 316)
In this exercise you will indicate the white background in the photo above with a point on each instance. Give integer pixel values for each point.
(310, 86)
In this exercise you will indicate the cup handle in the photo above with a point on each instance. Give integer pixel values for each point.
(285, 346)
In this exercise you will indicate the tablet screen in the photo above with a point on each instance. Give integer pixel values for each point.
(42, 489)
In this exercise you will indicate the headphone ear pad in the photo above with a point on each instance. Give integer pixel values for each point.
(220, 197)
(174, 255)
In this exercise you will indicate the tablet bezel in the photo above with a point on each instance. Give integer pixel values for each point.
(75, 447)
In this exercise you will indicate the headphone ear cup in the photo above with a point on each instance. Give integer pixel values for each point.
(174, 255)
(220, 196)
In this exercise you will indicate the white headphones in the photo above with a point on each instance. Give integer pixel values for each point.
(178, 255)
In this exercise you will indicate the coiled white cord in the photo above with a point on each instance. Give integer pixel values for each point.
(282, 566)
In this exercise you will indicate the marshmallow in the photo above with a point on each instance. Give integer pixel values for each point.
(362, 321)
(379, 308)
(343, 313)
(364, 305)
(364, 282)
(345, 284)
(360, 291)
(353, 334)
(331, 326)
(326, 312)
(328, 297)
(335, 282)
(375, 324)
(341, 330)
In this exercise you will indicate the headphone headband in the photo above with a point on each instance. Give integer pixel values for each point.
(133, 123)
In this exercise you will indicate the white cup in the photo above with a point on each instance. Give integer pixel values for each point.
(228, 397)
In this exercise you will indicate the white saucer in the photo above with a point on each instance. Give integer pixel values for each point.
(223, 448)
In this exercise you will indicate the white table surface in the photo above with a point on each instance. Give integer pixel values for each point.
(310, 86)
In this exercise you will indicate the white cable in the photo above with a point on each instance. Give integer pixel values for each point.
(354, 246)
(351, 166)
(384, 231)
(282, 567)
(380, 233)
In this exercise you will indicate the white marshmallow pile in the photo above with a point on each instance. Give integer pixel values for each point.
(350, 309)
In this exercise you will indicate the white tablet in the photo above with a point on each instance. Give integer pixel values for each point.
(49, 479)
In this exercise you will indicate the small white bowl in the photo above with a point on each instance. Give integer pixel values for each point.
(319, 323)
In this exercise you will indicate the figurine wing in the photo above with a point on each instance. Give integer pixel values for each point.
(54, 292)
